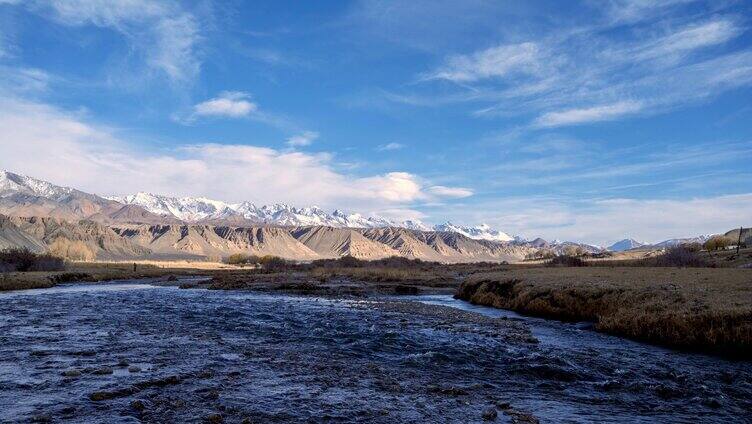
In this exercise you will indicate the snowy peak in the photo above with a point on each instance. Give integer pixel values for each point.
(11, 183)
(625, 244)
(680, 241)
(481, 232)
(196, 209)
(189, 209)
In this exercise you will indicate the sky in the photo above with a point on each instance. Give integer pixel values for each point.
(588, 121)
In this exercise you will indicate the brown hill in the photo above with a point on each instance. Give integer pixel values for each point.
(329, 242)
(11, 236)
(82, 240)
(89, 240)
(206, 240)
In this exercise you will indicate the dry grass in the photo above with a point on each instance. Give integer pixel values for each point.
(91, 272)
(374, 274)
(700, 308)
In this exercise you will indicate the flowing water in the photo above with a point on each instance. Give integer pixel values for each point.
(132, 352)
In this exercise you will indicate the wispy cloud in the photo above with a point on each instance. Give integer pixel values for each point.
(495, 62)
(303, 139)
(390, 147)
(626, 11)
(230, 104)
(161, 33)
(455, 192)
(590, 114)
(689, 39)
(585, 75)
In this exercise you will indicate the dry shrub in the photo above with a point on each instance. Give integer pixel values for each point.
(719, 242)
(348, 261)
(24, 260)
(679, 256)
(566, 260)
(241, 259)
(74, 250)
(369, 274)
(267, 262)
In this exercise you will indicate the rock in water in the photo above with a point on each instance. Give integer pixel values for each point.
(489, 414)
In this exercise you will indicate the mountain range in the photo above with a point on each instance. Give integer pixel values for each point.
(39, 215)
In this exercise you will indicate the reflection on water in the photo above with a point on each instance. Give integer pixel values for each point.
(125, 352)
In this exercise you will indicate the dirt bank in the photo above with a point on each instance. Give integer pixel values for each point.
(703, 309)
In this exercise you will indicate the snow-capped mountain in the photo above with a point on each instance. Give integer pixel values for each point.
(190, 209)
(679, 241)
(196, 209)
(11, 184)
(70, 203)
(625, 244)
(480, 232)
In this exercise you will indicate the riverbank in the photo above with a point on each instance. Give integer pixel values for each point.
(689, 308)
(99, 271)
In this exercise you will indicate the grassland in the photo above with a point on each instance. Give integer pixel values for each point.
(694, 308)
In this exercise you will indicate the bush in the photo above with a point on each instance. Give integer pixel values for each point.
(274, 263)
(692, 247)
(540, 254)
(680, 256)
(268, 262)
(241, 259)
(24, 260)
(396, 262)
(566, 260)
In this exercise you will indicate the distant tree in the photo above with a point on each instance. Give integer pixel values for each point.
(718, 243)
(574, 251)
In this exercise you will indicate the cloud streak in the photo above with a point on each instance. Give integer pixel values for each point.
(390, 147)
(590, 114)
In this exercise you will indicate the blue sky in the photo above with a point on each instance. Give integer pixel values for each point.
(588, 121)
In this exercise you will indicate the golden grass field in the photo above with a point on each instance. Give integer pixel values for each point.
(698, 308)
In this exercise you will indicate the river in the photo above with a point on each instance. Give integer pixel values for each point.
(128, 352)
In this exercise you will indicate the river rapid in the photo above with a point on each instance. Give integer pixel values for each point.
(129, 352)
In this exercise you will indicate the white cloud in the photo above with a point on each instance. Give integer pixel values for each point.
(495, 62)
(390, 147)
(454, 192)
(230, 104)
(691, 38)
(604, 221)
(636, 10)
(303, 139)
(160, 32)
(590, 114)
(51, 144)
